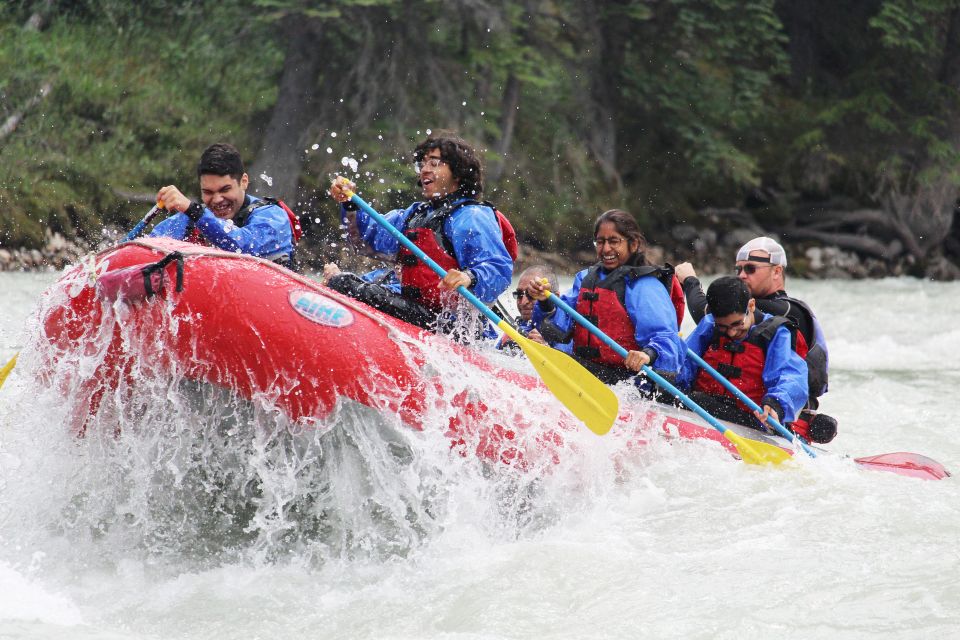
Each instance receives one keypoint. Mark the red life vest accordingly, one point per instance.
(742, 362)
(418, 282)
(425, 229)
(603, 302)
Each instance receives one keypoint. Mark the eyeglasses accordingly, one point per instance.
(750, 268)
(428, 161)
(733, 326)
(519, 293)
(613, 243)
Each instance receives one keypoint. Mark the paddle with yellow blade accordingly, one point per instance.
(750, 451)
(7, 368)
(580, 391)
(745, 399)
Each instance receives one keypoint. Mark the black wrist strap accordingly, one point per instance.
(194, 211)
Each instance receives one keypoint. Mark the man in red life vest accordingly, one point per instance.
(229, 218)
(469, 239)
(761, 264)
(753, 350)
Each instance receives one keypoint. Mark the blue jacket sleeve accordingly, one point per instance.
(655, 322)
(174, 227)
(478, 246)
(698, 341)
(562, 323)
(785, 375)
(266, 234)
(377, 237)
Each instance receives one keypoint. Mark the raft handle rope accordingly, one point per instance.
(159, 266)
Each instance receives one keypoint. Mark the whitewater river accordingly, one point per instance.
(107, 539)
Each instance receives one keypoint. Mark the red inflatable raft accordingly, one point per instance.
(263, 332)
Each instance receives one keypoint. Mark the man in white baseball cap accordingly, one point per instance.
(761, 264)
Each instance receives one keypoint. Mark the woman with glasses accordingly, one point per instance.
(472, 241)
(626, 297)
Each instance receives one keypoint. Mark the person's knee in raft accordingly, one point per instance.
(755, 351)
(467, 237)
(228, 217)
(624, 295)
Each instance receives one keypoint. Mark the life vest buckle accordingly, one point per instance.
(729, 370)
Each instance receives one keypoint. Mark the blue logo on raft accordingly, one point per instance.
(320, 309)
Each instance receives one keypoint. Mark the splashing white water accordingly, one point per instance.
(215, 516)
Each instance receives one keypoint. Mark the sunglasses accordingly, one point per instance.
(519, 293)
(750, 269)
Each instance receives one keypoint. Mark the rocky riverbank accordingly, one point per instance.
(714, 254)
(56, 253)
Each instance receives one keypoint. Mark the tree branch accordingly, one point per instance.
(11, 124)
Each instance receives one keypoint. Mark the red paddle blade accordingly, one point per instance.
(906, 464)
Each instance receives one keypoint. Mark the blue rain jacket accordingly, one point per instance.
(266, 233)
(477, 244)
(650, 310)
(784, 372)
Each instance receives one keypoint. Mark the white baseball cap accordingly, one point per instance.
(763, 243)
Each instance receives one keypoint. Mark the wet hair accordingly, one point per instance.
(626, 225)
(727, 295)
(221, 159)
(542, 271)
(460, 157)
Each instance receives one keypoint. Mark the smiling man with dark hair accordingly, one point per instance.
(227, 216)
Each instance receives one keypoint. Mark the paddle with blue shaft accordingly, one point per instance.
(783, 431)
(137, 230)
(750, 451)
(580, 391)
(909, 464)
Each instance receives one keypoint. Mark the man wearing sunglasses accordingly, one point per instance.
(760, 264)
(525, 305)
(470, 239)
(753, 350)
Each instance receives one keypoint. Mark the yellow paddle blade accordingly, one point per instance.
(580, 391)
(754, 452)
(7, 368)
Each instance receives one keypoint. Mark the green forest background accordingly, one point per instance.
(824, 122)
